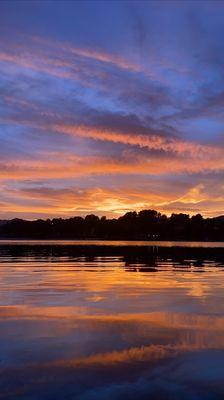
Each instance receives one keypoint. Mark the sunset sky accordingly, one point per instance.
(111, 106)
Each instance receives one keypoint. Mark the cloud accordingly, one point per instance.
(84, 198)
(77, 103)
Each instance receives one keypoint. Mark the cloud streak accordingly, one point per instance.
(96, 105)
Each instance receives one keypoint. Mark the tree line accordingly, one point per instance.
(144, 225)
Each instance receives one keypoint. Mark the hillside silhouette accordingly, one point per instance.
(144, 225)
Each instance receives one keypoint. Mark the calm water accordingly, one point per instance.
(111, 322)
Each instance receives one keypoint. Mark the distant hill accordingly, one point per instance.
(144, 225)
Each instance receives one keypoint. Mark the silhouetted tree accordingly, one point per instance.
(147, 224)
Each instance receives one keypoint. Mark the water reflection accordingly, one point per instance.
(111, 323)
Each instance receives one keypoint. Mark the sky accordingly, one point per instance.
(111, 106)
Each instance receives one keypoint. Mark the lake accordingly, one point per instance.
(111, 320)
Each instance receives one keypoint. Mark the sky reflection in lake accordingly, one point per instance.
(128, 324)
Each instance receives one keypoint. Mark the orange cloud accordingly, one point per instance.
(97, 55)
(70, 201)
(151, 141)
(165, 154)
(67, 165)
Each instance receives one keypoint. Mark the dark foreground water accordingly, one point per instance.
(111, 322)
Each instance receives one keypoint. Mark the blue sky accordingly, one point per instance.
(111, 106)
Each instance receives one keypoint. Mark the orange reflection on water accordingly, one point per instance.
(108, 321)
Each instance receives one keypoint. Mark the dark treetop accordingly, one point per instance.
(147, 224)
